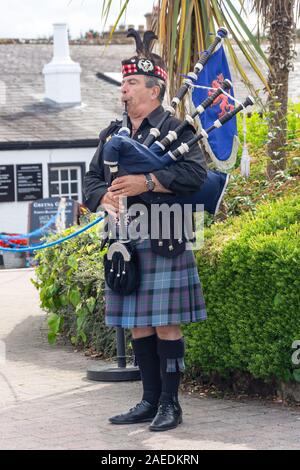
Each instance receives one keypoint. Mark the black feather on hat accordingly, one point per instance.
(144, 63)
(138, 40)
(149, 36)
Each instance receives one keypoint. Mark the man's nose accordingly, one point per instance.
(124, 88)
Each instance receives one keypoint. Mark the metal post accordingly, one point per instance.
(121, 373)
(121, 347)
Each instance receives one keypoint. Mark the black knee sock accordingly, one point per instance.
(145, 351)
(171, 353)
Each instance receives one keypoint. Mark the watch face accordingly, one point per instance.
(150, 185)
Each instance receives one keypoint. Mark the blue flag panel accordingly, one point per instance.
(221, 141)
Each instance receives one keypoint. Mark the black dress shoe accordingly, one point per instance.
(168, 416)
(141, 413)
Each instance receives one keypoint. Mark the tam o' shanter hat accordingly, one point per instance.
(145, 62)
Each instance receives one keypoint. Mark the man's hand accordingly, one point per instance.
(129, 185)
(111, 204)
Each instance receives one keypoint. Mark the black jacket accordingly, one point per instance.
(183, 177)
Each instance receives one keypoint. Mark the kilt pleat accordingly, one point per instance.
(170, 293)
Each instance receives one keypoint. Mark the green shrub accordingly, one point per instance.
(71, 288)
(257, 127)
(244, 194)
(250, 271)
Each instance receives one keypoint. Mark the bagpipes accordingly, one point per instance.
(122, 152)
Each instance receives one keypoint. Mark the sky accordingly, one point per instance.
(34, 18)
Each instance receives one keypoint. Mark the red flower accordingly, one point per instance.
(14, 240)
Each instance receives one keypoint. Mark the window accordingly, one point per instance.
(65, 182)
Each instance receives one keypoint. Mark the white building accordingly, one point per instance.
(52, 109)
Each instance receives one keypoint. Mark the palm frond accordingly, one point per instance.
(181, 29)
(105, 11)
(172, 43)
(185, 29)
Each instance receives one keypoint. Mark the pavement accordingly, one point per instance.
(46, 401)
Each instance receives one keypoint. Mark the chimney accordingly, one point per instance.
(148, 17)
(62, 75)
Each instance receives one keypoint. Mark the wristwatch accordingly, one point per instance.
(149, 182)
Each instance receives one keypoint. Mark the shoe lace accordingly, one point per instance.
(164, 408)
(136, 406)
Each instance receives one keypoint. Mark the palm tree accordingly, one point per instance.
(185, 27)
(279, 20)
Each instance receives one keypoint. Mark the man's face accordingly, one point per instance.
(136, 94)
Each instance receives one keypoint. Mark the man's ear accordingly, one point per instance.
(155, 92)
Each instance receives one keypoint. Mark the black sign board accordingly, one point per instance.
(7, 183)
(42, 210)
(29, 182)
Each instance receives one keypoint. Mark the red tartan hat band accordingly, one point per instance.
(140, 66)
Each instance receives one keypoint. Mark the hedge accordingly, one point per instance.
(250, 271)
(69, 278)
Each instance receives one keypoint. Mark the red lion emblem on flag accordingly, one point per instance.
(222, 99)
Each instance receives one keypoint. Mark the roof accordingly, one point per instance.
(26, 121)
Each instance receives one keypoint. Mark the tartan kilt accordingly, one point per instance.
(170, 293)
